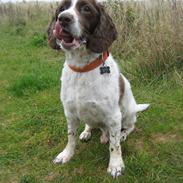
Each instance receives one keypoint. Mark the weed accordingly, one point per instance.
(39, 39)
(27, 179)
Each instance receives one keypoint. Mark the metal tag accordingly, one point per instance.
(105, 69)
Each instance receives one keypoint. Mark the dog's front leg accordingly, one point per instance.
(116, 164)
(68, 152)
(86, 134)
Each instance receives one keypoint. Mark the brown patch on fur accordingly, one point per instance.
(99, 29)
(62, 6)
(88, 19)
(51, 39)
(104, 34)
(121, 87)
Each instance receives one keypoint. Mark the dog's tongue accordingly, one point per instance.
(60, 34)
(66, 38)
(58, 30)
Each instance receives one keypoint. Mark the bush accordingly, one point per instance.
(150, 37)
(39, 39)
(27, 179)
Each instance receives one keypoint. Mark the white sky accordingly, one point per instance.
(25, 0)
(38, 0)
(59, 0)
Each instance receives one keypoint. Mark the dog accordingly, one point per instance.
(92, 88)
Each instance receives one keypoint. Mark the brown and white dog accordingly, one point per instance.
(93, 89)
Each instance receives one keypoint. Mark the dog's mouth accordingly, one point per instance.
(65, 38)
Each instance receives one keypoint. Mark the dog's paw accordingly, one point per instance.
(63, 157)
(85, 136)
(104, 139)
(116, 170)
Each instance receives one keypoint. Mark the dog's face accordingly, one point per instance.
(82, 23)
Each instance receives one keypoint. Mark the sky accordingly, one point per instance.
(22, 0)
(34, 0)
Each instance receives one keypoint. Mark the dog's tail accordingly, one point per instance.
(142, 107)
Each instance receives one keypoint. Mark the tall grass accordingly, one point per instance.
(150, 36)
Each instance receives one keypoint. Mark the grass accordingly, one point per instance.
(33, 126)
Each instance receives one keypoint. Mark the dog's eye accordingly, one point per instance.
(63, 8)
(86, 9)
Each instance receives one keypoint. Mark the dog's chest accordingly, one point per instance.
(89, 96)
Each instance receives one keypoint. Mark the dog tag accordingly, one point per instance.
(104, 69)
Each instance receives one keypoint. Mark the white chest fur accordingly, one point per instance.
(90, 96)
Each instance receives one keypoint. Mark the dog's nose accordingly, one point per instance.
(65, 19)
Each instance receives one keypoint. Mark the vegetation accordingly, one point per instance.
(33, 127)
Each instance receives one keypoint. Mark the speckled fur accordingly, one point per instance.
(98, 100)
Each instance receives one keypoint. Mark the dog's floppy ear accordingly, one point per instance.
(104, 34)
(51, 38)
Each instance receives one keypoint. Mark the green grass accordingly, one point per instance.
(33, 126)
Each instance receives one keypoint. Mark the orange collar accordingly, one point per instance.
(101, 59)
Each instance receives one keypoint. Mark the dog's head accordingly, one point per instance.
(81, 23)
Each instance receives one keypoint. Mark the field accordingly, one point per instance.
(33, 129)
